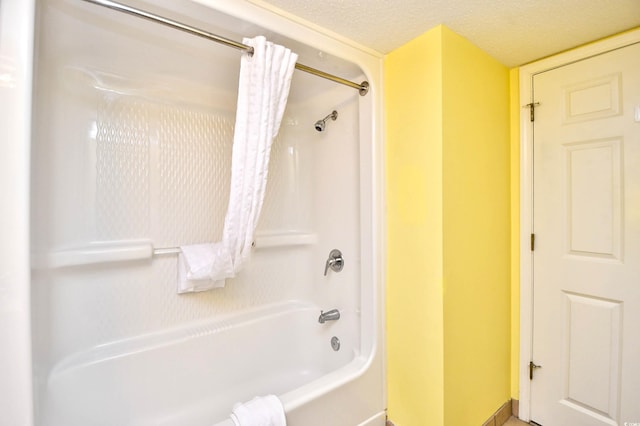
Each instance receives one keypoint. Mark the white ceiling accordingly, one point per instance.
(512, 31)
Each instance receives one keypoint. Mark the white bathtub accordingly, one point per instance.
(189, 376)
(129, 158)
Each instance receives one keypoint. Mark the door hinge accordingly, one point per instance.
(532, 367)
(532, 109)
(533, 242)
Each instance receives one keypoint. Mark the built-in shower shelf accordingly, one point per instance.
(129, 250)
(94, 253)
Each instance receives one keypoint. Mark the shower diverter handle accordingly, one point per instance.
(335, 261)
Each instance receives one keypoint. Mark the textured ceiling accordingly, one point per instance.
(512, 31)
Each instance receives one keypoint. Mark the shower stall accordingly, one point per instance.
(117, 140)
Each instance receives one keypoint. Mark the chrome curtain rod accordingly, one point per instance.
(363, 87)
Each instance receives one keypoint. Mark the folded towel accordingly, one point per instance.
(195, 265)
(260, 411)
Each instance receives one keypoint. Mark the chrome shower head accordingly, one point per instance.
(320, 124)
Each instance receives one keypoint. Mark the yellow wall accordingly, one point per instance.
(476, 220)
(413, 96)
(448, 282)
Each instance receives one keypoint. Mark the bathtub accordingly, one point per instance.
(129, 158)
(187, 376)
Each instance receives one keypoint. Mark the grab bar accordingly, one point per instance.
(122, 251)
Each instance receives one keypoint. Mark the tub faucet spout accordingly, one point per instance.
(332, 315)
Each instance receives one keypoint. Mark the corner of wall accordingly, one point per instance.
(449, 231)
(476, 212)
(413, 109)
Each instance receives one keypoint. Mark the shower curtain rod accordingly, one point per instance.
(363, 87)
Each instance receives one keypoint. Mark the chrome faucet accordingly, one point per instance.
(332, 315)
(335, 261)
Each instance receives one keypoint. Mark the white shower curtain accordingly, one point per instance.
(265, 78)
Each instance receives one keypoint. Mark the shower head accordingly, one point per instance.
(320, 124)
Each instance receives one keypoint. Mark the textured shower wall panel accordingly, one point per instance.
(122, 170)
(163, 172)
(194, 174)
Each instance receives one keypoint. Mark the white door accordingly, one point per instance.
(586, 261)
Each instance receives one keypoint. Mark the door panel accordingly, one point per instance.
(593, 174)
(586, 263)
(592, 368)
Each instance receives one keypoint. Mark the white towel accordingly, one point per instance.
(260, 411)
(199, 267)
(265, 79)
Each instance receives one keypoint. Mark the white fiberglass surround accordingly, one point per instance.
(16, 40)
(130, 153)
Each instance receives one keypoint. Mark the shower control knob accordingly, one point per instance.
(335, 261)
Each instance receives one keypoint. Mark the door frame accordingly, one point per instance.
(527, 72)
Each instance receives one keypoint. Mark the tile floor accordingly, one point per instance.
(514, 422)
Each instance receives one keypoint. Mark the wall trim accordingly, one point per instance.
(501, 415)
(527, 73)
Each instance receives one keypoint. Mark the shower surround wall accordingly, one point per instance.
(131, 153)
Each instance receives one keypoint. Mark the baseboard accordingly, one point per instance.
(501, 416)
